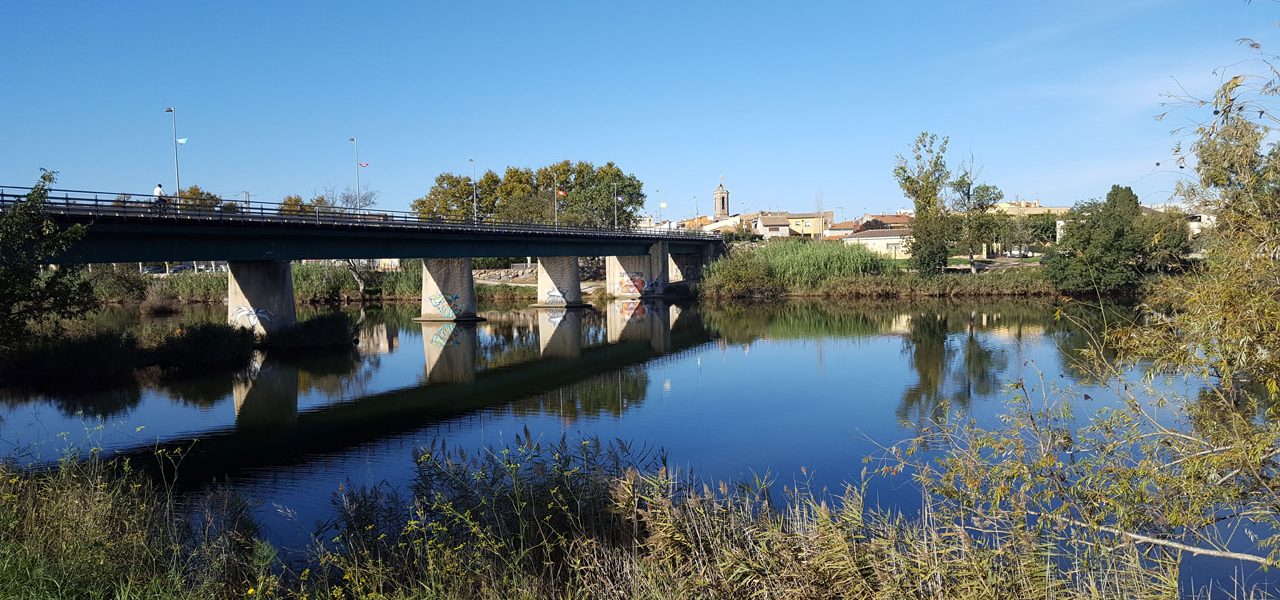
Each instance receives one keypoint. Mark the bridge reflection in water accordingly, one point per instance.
(467, 367)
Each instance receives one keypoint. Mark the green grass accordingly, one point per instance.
(840, 271)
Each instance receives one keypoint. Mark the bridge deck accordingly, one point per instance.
(138, 230)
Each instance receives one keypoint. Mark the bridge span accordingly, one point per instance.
(260, 240)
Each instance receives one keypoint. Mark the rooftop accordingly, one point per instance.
(879, 233)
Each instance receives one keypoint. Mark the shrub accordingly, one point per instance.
(198, 287)
(119, 285)
(160, 299)
(322, 283)
(505, 294)
(740, 275)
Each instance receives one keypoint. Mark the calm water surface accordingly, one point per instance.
(731, 393)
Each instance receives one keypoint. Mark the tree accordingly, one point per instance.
(29, 240)
(351, 203)
(923, 180)
(292, 205)
(518, 199)
(196, 198)
(972, 205)
(872, 224)
(1099, 250)
(586, 195)
(449, 198)
(1166, 240)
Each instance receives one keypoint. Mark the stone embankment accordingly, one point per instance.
(528, 275)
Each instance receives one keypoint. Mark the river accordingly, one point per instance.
(792, 393)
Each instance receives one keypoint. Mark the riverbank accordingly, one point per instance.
(312, 284)
(570, 519)
(844, 272)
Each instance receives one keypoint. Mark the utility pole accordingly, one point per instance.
(475, 203)
(555, 198)
(616, 198)
(357, 147)
(177, 175)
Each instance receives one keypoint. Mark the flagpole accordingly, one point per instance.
(356, 144)
(177, 176)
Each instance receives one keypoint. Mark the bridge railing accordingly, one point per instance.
(169, 208)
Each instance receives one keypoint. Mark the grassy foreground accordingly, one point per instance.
(566, 520)
(842, 271)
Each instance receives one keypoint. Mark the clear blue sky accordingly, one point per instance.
(785, 101)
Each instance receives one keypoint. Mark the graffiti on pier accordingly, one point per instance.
(443, 305)
(631, 283)
(555, 296)
(252, 317)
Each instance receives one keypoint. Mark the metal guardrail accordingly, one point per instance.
(149, 208)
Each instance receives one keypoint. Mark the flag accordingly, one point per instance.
(182, 141)
(364, 164)
(561, 193)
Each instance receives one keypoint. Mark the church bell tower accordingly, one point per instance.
(721, 197)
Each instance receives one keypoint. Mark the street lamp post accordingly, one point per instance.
(475, 209)
(616, 199)
(356, 145)
(177, 176)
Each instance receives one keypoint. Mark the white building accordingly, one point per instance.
(891, 243)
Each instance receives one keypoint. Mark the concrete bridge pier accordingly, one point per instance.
(451, 351)
(638, 276)
(560, 332)
(448, 290)
(260, 295)
(559, 282)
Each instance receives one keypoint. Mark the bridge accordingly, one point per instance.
(259, 241)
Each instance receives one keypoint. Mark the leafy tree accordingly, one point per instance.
(518, 198)
(1099, 250)
(587, 195)
(1043, 228)
(29, 240)
(923, 180)
(450, 198)
(292, 205)
(871, 224)
(972, 206)
(1166, 240)
(322, 204)
(196, 198)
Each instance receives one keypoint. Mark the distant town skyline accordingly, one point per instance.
(788, 104)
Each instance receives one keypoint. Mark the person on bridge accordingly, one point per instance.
(161, 203)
